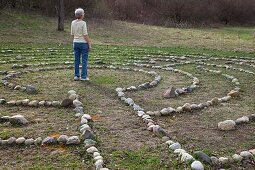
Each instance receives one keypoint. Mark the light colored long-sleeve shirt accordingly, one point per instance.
(78, 30)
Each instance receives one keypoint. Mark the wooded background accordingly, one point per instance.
(157, 12)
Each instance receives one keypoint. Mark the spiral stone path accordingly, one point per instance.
(198, 114)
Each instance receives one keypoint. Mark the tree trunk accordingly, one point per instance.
(61, 15)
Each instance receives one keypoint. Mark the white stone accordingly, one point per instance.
(179, 151)
(71, 92)
(175, 146)
(92, 149)
(87, 116)
(95, 154)
(246, 154)
(237, 158)
(186, 157)
(227, 125)
(20, 140)
(98, 158)
(140, 113)
(223, 160)
(243, 119)
(197, 165)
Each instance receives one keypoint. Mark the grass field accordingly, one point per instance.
(122, 137)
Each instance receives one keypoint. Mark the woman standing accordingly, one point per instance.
(81, 45)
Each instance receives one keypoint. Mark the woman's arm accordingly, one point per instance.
(86, 37)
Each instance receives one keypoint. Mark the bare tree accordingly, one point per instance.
(61, 15)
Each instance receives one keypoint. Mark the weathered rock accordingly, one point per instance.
(87, 134)
(175, 146)
(31, 89)
(202, 157)
(49, 141)
(33, 103)
(87, 116)
(95, 154)
(4, 119)
(38, 141)
(48, 103)
(251, 117)
(167, 111)
(179, 151)
(78, 110)
(99, 163)
(92, 149)
(223, 160)
(89, 143)
(18, 120)
(20, 141)
(55, 103)
(129, 101)
(29, 142)
(11, 103)
(246, 154)
(227, 125)
(237, 158)
(73, 97)
(25, 102)
(187, 107)
(77, 103)
(84, 127)
(187, 158)
(196, 165)
(226, 98)
(179, 109)
(67, 103)
(140, 113)
(73, 140)
(98, 158)
(62, 139)
(71, 92)
(11, 141)
(41, 103)
(215, 101)
(169, 93)
(234, 93)
(215, 161)
(83, 121)
(242, 120)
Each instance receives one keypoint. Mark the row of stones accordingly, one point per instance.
(86, 132)
(177, 91)
(184, 156)
(231, 124)
(156, 129)
(21, 141)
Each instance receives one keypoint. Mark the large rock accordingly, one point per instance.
(196, 165)
(67, 103)
(31, 89)
(202, 157)
(242, 120)
(234, 93)
(77, 103)
(18, 120)
(227, 125)
(87, 134)
(187, 158)
(49, 141)
(169, 93)
(175, 146)
(62, 139)
(73, 140)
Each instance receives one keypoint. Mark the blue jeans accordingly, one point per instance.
(81, 50)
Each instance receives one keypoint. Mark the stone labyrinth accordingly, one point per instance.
(26, 61)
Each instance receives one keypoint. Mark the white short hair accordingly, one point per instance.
(79, 12)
